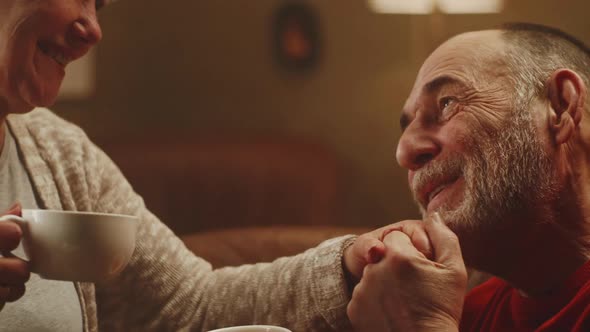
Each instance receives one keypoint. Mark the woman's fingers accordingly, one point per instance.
(11, 293)
(10, 235)
(13, 271)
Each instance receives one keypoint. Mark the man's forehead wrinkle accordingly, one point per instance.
(439, 82)
(457, 67)
(493, 98)
(463, 60)
(467, 55)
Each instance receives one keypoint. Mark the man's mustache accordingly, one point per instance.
(434, 172)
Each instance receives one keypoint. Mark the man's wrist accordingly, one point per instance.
(438, 324)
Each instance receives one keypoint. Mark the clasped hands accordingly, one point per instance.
(411, 277)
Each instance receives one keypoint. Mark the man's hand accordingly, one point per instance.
(369, 247)
(14, 272)
(406, 291)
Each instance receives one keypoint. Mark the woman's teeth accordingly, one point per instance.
(60, 58)
(54, 54)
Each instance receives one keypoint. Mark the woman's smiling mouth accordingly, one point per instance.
(54, 53)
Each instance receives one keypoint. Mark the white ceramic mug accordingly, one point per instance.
(76, 246)
(252, 328)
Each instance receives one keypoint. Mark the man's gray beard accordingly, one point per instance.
(506, 173)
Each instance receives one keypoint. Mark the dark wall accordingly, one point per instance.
(207, 66)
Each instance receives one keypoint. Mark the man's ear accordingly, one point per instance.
(567, 95)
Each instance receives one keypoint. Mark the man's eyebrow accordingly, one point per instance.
(440, 81)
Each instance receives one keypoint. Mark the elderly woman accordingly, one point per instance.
(49, 163)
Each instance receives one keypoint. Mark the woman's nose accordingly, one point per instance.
(416, 148)
(86, 30)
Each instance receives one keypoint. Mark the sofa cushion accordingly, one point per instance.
(200, 183)
(237, 246)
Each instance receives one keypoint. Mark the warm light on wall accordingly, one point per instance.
(402, 7)
(79, 82)
(470, 6)
(428, 6)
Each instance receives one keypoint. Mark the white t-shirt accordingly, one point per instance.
(47, 305)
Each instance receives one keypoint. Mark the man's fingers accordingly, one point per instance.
(414, 229)
(365, 310)
(444, 242)
(400, 244)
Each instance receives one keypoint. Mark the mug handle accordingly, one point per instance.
(21, 222)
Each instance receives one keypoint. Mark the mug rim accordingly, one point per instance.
(235, 328)
(87, 213)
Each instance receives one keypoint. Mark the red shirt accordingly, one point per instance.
(496, 306)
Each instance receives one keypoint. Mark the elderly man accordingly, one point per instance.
(496, 140)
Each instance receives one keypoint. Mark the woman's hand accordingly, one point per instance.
(14, 272)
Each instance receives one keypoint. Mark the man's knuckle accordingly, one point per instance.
(400, 260)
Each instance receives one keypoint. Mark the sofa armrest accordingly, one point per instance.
(237, 246)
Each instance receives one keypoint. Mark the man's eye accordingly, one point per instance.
(446, 102)
(447, 108)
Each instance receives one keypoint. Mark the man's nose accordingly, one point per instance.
(416, 147)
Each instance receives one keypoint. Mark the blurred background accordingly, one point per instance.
(230, 113)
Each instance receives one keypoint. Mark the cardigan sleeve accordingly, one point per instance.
(166, 287)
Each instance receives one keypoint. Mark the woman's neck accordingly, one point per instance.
(2, 134)
(7, 108)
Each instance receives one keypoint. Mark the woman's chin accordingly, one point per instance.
(46, 102)
(39, 97)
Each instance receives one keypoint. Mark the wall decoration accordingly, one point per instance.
(296, 36)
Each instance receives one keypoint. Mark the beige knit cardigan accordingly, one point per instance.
(165, 287)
